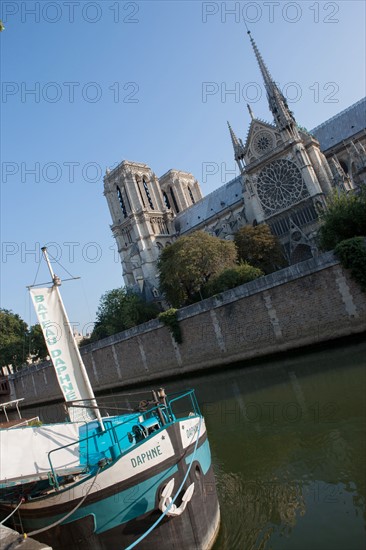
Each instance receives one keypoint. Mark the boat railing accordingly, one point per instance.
(111, 428)
(180, 396)
(107, 430)
(11, 404)
(26, 422)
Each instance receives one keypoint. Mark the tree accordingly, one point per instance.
(119, 310)
(230, 278)
(259, 247)
(37, 344)
(344, 218)
(352, 253)
(187, 265)
(13, 339)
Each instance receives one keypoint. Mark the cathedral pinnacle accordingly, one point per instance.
(250, 111)
(234, 139)
(238, 148)
(283, 117)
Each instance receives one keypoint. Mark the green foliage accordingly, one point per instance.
(352, 254)
(17, 342)
(230, 278)
(169, 318)
(37, 345)
(35, 423)
(13, 339)
(119, 310)
(187, 265)
(260, 248)
(344, 218)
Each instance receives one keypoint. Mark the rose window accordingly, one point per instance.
(280, 185)
(263, 142)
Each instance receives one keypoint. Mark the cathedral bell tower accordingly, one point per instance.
(141, 223)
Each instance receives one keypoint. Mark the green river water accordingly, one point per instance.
(288, 446)
(288, 443)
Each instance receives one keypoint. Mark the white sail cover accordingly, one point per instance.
(65, 356)
(27, 451)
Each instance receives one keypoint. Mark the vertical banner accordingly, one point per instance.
(62, 350)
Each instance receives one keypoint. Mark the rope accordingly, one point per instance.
(60, 264)
(13, 512)
(25, 535)
(174, 499)
(39, 265)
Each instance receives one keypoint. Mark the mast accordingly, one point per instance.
(82, 382)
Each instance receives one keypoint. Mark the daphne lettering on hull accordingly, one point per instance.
(148, 455)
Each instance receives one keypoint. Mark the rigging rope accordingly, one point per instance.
(60, 264)
(39, 265)
(38, 531)
(13, 512)
(176, 495)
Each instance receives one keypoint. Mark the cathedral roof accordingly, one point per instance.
(210, 205)
(342, 126)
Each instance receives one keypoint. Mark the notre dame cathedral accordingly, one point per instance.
(286, 174)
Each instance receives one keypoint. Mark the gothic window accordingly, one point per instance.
(174, 201)
(127, 199)
(344, 166)
(147, 191)
(305, 215)
(263, 142)
(191, 195)
(164, 227)
(127, 235)
(280, 185)
(139, 188)
(166, 200)
(300, 217)
(122, 202)
(280, 227)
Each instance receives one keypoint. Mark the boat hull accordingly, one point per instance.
(124, 501)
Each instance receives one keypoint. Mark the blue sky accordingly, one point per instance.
(146, 81)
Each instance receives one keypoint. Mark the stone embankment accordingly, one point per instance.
(305, 304)
(11, 540)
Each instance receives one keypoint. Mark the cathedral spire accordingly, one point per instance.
(238, 148)
(268, 80)
(283, 117)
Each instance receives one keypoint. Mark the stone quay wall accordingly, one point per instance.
(307, 303)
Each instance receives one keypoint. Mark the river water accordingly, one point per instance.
(288, 445)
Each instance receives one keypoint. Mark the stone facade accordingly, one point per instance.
(286, 174)
(143, 208)
(305, 304)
